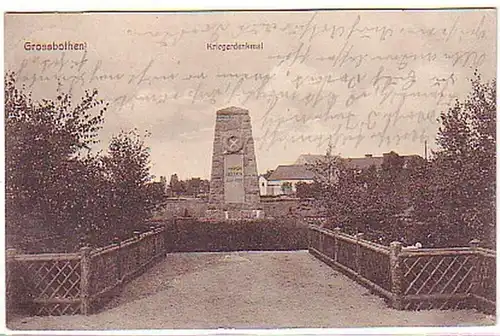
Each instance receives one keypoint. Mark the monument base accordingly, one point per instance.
(233, 214)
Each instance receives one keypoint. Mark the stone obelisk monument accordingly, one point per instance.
(234, 188)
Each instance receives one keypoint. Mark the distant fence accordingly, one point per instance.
(78, 283)
(411, 278)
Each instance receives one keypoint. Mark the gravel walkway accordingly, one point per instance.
(247, 290)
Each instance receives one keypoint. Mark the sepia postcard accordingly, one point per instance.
(257, 169)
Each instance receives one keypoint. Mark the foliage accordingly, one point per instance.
(47, 153)
(287, 188)
(126, 166)
(55, 185)
(463, 175)
(442, 202)
(191, 235)
(193, 187)
(305, 191)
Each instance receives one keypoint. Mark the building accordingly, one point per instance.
(357, 162)
(284, 179)
(263, 189)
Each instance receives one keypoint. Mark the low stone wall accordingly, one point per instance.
(271, 207)
(184, 206)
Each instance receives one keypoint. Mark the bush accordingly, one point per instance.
(191, 235)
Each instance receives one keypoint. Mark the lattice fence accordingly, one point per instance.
(412, 278)
(49, 284)
(434, 279)
(78, 283)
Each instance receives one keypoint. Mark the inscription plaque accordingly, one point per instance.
(234, 188)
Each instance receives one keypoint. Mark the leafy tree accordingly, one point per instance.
(55, 184)
(464, 168)
(442, 202)
(46, 141)
(306, 191)
(373, 200)
(127, 167)
(176, 186)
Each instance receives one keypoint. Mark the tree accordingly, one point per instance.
(193, 186)
(325, 187)
(464, 168)
(176, 186)
(127, 167)
(55, 184)
(47, 142)
(306, 191)
(268, 173)
(373, 200)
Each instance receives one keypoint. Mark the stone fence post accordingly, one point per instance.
(396, 275)
(85, 279)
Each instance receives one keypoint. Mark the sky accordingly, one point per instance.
(363, 81)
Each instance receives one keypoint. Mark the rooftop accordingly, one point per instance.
(299, 170)
(291, 172)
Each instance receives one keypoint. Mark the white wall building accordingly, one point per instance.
(284, 179)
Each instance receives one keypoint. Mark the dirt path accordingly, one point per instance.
(248, 290)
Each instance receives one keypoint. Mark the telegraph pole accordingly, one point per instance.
(425, 149)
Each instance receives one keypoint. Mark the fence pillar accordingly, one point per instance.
(336, 233)
(474, 244)
(359, 236)
(309, 237)
(10, 285)
(320, 243)
(163, 240)
(396, 275)
(137, 250)
(119, 271)
(154, 242)
(85, 280)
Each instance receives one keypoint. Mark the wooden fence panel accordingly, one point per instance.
(485, 290)
(413, 278)
(105, 271)
(78, 283)
(50, 286)
(329, 246)
(437, 280)
(346, 253)
(375, 266)
(129, 259)
(315, 239)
